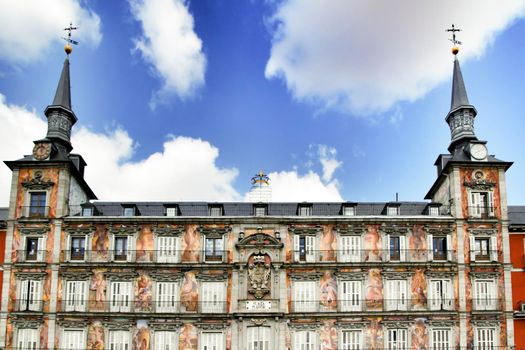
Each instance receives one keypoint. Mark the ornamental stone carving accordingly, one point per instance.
(37, 182)
(259, 276)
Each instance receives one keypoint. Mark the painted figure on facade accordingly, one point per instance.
(145, 245)
(374, 290)
(100, 244)
(327, 244)
(188, 337)
(143, 293)
(43, 335)
(419, 335)
(189, 294)
(372, 244)
(328, 291)
(417, 243)
(95, 336)
(419, 290)
(328, 336)
(191, 244)
(98, 286)
(374, 336)
(141, 337)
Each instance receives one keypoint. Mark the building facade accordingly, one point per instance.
(84, 274)
(517, 255)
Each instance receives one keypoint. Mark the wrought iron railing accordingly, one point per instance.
(35, 212)
(371, 305)
(373, 255)
(30, 256)
(143, 256)
(481, 212)
(127, 304)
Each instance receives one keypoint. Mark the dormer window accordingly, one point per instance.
(260, 210)
(172, 210)
(215, 210)
(304, 210)
(433, 210)
(348, 210)
(392, 210)
(129, 211)
(87, 211)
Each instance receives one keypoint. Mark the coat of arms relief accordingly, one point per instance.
(259, 276)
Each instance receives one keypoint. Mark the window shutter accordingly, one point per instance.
(402, 304)
(387, 248)
(493, 295)
(112, 248)
(344, 251)
(296, 247)
(23, 294)
(68, 248)
(81, 295)
(35, 295)
(114, 293)
(130, 249)
(449, 247)
(402, 248)
(70, 295)
(491, 203)
(310, 248)
(391, 294)
(41, 248)
(430, 247)
(434, 295)
(448, 302)
(493, 248)
(476, 204)
(472, 248)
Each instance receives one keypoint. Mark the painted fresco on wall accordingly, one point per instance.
(374, 336)
(95, 336)
(50, 243)
(143, 293)
(417, 243)
(16, 245)
(141, 336)
(328, 336)
(327, 244)
(419, 335)
(100, 244)
(288, 246)
(46, 291)
(372, 244)
(374, 290)
(12, 292)
(189, 294)
(252, 231)
(188, 337)
(328, 292)
(191, 244)
(28, 175)
(229, 339)
(419, 290)
(43, 335)
(490, 176)
(97, 291)
(145, 245)
(230, 246)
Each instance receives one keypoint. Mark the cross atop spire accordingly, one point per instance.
(68, 48)
(453, 30)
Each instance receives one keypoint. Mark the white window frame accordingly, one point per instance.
(73, 339)
(402, 247)
(129, 211)
(305, 296)
(351, 339)
(119, 340)
(440, 294)
(120, 296)
(305, 340)
(69, 242)
(129, 251)
(216, 252)
(350, 295)
(430, 245)
(213, 297)
(259, 211)
(396, 295)
(397, 339)
(493, 247)
(486, 338)
(441, 338)
(167, 296)
(28, 339)
(40, 248)
(392, 210)
(310, 248)
(350, 248)
(76, 295)
(258, 338)
(304, 210)
(348, 211)
(172, 211)
(167, 249)
(477, 209)
(216, 211)
(485, 294)
(29, 295)
(87, 211)
(212, 340)
(165, 340)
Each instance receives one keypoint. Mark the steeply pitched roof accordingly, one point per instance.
(459, 93)
(63, 93)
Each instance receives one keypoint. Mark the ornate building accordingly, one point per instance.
(84, 274)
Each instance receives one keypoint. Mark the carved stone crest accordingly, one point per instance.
(38, 182)
(259, 276)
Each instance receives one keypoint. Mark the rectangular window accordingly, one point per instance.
(392, 211)
(213, 297)
(172, 211)
(350, 295)
(259, 211)
(351, 339)
(433, 211)
(167, 249)
(396, 248)
(483, 248)
(214, 249)
(34, 249)
(396, 295)
(37, 204)
(397, 339)
(167, 296)
(258, 338)
(304, 250)
(441, 339)
(123, 248)
(120, 296)
(305, 211)
(212, 341)
(30, 295)
(305, 340)
(349, 211)
(76, 296)
(305, 296)
(72, 340)
(350, 249)
(166, 340)
(87, 211)
(119, 340)
(440, 295)
(129, 211)
(77, 247)
(481, 204)
(28, 339)
(215, 211)
(485, 295)
(486, 338)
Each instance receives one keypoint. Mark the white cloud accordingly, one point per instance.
(28, 28)
(365, 56)
(327, 157)
(290, 186)
(171, 46)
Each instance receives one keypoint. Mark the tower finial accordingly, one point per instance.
(68, 48)
(455, 48)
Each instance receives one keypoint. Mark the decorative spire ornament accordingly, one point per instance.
(68, 48)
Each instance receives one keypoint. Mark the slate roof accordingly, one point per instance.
(517, 215)
(3, 214)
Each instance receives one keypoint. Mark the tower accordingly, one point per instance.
(471, 186)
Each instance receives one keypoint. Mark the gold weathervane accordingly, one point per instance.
(261, 178)
(68, 48)
(455, 48)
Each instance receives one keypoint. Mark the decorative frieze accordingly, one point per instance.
(38, 182)
(168, 230)
(33, 230)
(308, 230)
(125, 230)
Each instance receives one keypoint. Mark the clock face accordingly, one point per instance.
(41, 151)
(478, 151)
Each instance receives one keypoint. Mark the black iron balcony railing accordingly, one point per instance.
(353, 347)
(486, 304)
(481, 212)
(144, 256)
(371, 305)
(29, 305)
(35, 212)
(373, 255)
(30, 256)
(127, 304)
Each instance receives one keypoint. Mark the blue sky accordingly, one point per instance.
(358, 116)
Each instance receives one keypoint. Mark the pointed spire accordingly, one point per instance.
(63, 93)
(459, 93)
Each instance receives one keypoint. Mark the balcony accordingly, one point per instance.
(35, 212)
(126, 304)
(486, 304)
(29, 305)
(30, 256)
(368, 305)
(373, 256)
(142, 256)
(482, 212)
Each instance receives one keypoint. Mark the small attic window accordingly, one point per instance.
(392, 210)
(172, 210)
(433, 211)
(215, 210)
(88, 211)
(304, 210)
(348, 210)
(260, 210)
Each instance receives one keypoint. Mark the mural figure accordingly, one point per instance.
(372, 245)
(145, 245)
(419, 290)
(327, 245)
(417, 243)
(230, 246)
(328, 291)
(95, 336)
(328, 336)
(100, 244)
(419, 335)
(259, 276)
(374, 290)
(98, 285)
(143, 293)
(141, 337)
(189, 294)
(191, 244)
(188, 337)
(43, 335)
(374, 336)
